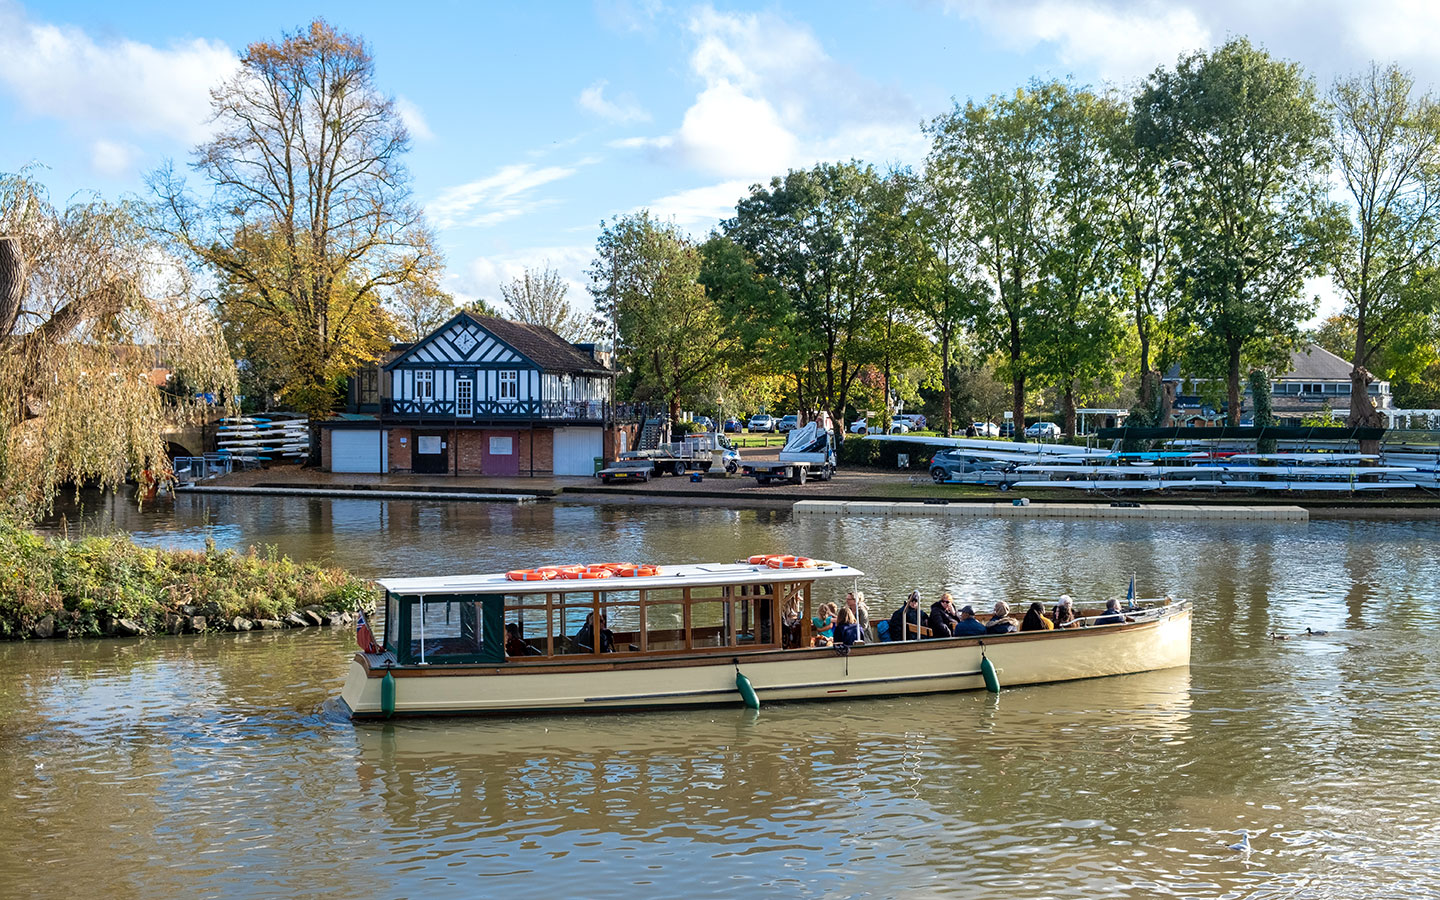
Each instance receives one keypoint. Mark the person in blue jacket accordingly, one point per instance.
(968, 626)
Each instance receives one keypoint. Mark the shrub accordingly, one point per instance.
(880, 453)
(88, 584)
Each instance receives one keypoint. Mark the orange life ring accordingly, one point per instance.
(561, 571)
(761, 559)
(637, 571)
(529, 575)
(790, 562)
(585, 572)
(614, 568)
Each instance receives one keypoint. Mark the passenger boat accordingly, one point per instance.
(696, 635)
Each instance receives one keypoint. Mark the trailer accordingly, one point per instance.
(807, 454)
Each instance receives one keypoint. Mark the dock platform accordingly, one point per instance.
(353, 493)
(1170, 511)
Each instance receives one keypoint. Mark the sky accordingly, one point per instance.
(533, 123)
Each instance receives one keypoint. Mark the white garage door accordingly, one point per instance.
(575, 450)
(358, 451)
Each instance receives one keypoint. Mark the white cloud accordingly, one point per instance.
(624, 109)
(414, 119)
(1120, 40)
(507, 194)
(112, 158)
(61, 72)
(772, 99)
(483, 275)
(701, 209)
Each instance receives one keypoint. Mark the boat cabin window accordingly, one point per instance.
(452, 628)
(664, 615)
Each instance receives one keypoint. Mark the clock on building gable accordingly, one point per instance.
(465, 340)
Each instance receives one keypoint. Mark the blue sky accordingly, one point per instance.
(532, 123)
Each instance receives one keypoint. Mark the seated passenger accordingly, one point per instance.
(1112, 614)
(910, 614)
(1064, 615)
(825, 622)
(1000, 622)
(515, 644)
(585, 637)
(847, 630)
(790, 623)
(968, 624)
(943, 617)
(1036, 620)
(855, 600)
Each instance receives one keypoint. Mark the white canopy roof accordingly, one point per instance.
(698, 574)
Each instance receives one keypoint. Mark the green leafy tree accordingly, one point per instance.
(810, 234)
(646, 276)
(418, 306)
(1386, 144)
(310, 218)
(996, 161)
(1082, 327)
(1244, 139)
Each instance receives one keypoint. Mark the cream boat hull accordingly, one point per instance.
(813, 674)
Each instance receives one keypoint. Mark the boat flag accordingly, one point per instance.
(1130, 595)
(364, 636)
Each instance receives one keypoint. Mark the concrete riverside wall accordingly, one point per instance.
(1051, 510)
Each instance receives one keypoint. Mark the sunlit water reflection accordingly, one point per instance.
(221, 766)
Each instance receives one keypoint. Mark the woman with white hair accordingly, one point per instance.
(1064, 615)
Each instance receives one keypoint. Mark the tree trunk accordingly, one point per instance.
(12, 283)
(1070, 409)
(945, 378)
(1018, 408)
(1362, 408)
(1167, 403)
(1147, 388)
(1232, 385)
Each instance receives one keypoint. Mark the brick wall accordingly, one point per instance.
(544, 452)
(400, 455)
(325, 448)
(468, 450)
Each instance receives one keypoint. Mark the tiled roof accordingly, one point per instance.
(1315, 363)
(546, 348)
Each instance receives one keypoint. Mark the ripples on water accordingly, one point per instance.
(220, 765)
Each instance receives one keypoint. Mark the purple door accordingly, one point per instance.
(500, 453)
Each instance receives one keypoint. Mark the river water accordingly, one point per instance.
(220, 766)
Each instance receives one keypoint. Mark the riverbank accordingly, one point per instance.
(109, 586)
(848, 485)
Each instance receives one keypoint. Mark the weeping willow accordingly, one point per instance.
(104, 343)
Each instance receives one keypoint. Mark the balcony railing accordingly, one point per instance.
(517, 410)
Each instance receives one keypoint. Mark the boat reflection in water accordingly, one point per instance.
(866, 790)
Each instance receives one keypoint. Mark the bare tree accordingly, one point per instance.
(419, 306)
(537, 297)
(311, 216)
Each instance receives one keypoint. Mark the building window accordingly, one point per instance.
(509, 385)
(369, 386)
(424, 385)
(465, 398)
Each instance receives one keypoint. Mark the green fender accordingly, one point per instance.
(747, 691)
(987, 671)
(387, 694)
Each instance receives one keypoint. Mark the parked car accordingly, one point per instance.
(1043, 430)
(859, 426)
(914, 420)
(1007, 429)
(788, 423)
(733, 425)
(896, 427)
(958, 465)
(702, 423)
(985, 429)
(761, 422)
